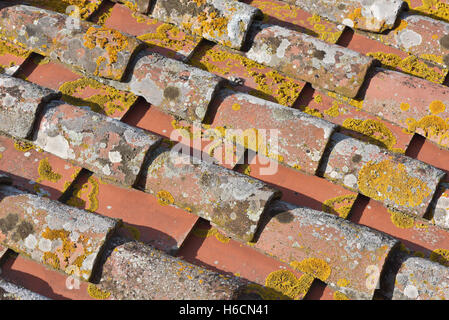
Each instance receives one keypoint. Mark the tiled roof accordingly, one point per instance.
(224, 149)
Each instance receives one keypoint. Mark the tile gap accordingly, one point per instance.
(415, 145)
(346, 37)
(80, 178)
(103, 8)
(28, 66)
(358, 208)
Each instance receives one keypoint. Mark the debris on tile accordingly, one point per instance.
(10, 291)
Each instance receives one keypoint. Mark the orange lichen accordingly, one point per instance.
(313, 266)
(165, 198)
(387, 180)
(437, 107)
(431, 126)
(286, 285)
(405, 106)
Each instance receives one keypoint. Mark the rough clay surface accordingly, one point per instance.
(110, 148)
(232, 201)
(401, 183)
(66, 238)
(20, 100)
(327, 66)
(135, 271)
(10, 291)
(223, 21)
(347, 256)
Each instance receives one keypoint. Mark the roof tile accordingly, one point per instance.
(334, 250)
(110, 148)
(65, 238)
(226, 21)
(421, 279)
(422, 36)
(406, 105)
(376, 16)
(90, 48)
(20, 102)
(400, 182)
(138, 5)
(301, 56)
(288, 135)
(136, 271)
(173, 86)
(232, 201)
(10, 291)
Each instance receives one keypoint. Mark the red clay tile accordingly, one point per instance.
(137, 5)
(343, 254)
(92, 49)
(146, 219)
(230, 200)
(415, 104)
(375, 16)
(397, 59)
(108, 147)
(136, 271)
(209, 248)
(433, 154)
(398, 181)
(421, 279)
(173, 86)
(12, 57)
(20, 102)
(301, 189)
(163, 38)
(285, 134)
(35, 171)
(51, 233)
(420, 236)
(356, 122)
(247, 75)
(225, 22)
(300, 56)
(286, 15)
(85, 7)
(40, 279)
(422, 36)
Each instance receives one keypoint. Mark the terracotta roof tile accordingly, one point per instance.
(400, 182)
(65, 238)
(9, 291)
(324, 65)
(226, 22)
(332, 249)
(131, 74)
(79, 135)
(20, 101)
(232, 201)
(375, 16)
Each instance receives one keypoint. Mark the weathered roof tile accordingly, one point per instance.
(139, 272)
(347, 256)
(223, 21)
(400, 182)
(285, 134)
(10, 291)
(90, 48)
(63, 237)
(110, 148)
(232, 201)
(137, 5)
(301, 56)
(421, 279)
(20, 101)
(376, 16)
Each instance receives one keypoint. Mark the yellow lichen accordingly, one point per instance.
(405, 106)
(107, 100)
(437, 107)
(334, 110)
(431, 126)
(46, 172)
(374, 131)
(313, 266)
(340, 205)
(13, 49)
(435, 8)
(165, 198)
(86, 7)
(343, 282)
(441, 256)
(236, 107)
(96, 292)
(286, 285)
(23, 145)
(339, 296)
(133, 230)
(79, 193)
(205, 233)
(412, 65)
(388, 180)
(401, 220)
